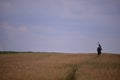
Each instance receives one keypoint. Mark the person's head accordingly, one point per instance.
(99, 45)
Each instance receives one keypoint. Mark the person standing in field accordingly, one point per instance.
(99, 49)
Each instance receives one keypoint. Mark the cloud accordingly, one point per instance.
(42, 10)
(35, 8)
(7, 27)
(11, 29)
(23, 28)
(4, 6)
(90, 9)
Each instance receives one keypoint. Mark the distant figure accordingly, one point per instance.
(99, 49)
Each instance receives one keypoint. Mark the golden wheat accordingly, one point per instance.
(51, 66)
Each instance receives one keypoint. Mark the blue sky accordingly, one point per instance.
(59, 25)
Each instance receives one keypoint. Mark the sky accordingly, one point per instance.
(60, 25)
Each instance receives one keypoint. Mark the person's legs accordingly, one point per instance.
(99, 52)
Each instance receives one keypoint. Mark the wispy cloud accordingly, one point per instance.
(13, 29)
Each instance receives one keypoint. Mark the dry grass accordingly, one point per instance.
(59, 66)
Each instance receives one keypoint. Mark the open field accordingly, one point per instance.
(46, 66)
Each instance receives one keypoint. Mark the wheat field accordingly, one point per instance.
(59, 66)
